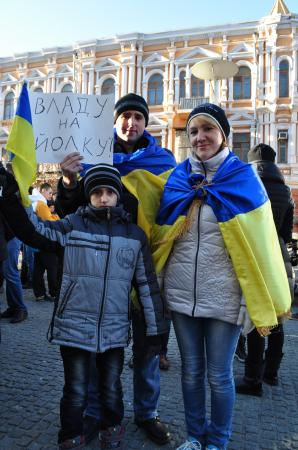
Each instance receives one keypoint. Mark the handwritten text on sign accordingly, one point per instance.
(66, 122)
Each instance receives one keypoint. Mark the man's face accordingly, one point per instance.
(47, 193)
(130, 126)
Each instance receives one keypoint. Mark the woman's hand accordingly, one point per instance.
(70, 167)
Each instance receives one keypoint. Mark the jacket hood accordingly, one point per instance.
(261, 152)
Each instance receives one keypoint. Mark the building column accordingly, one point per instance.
(187, 82)
(91, 82)
(131, 77)
(176, 85)
(124, 80)
(165, 85)
(293, 146)
(85, 82)
(139, 69)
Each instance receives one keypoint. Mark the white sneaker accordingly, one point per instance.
(190, 444)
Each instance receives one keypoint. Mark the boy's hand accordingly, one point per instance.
(71, 166)
(8, 184)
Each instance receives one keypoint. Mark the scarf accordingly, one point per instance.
(242, 208)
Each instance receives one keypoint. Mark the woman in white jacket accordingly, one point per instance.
(212, 189)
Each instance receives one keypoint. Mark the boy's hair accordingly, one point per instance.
(102, 175)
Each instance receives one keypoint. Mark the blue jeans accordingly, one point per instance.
(14, 291)
(146, 378)
(212, 343)
(76, 364)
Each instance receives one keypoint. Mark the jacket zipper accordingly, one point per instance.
(105, 278)
(196, 263)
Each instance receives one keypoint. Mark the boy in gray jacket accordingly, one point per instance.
(104, 255)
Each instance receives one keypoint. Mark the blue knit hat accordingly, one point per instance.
(215, 113)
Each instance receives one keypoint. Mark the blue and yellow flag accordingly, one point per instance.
(21, 143)
(243, 211)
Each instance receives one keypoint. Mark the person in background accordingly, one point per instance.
(45, 261)
(261, 365)
(207, 202)
(134, 150)
(14, 222)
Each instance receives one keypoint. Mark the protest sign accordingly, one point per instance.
(66, 122)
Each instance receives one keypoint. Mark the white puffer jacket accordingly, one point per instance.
(199, 279)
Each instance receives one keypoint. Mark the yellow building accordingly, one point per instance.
(261, 101)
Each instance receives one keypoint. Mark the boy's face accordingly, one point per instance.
(103, 197)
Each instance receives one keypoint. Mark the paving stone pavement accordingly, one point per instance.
(31, 381)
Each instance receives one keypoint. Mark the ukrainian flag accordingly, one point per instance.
(243, 211)
(21, 143)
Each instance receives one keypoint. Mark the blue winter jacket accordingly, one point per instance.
(104, 255)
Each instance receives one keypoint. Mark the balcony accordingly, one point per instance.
(192, 102)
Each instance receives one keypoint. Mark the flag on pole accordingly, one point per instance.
(21, 143)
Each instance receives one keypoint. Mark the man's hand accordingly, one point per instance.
(71, 166)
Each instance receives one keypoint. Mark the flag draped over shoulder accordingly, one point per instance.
(144, 173)
(21, 143)
(243, 211)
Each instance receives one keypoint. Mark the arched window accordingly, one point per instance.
(182, 84)
(197, 87)
(8, 106)
(284, 78)
(242, 83)
(155, 90)
(108, 87)
(38, 89)
(67, 88)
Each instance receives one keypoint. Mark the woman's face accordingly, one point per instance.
(205, 137)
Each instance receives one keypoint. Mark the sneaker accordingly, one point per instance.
(48, 298)
(40, 298)
(156, 430)
(76, 442)
(191, 444)
(112, 438)
(19, 316)
(164, 363)
(247, 386)
(91, 427)
(8, 313)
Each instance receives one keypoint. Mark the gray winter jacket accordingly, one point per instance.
(103, 255)
(199, 279)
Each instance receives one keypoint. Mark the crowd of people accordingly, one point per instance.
(146, 243)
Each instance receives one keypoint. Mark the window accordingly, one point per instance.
(182, 84)
(108, 87)
(197, 87)
(9, 106)
(155, 90)
(282, 146)
(242, 84)
(38, 89)
(67, 88)
(284, 78)
(241, 145)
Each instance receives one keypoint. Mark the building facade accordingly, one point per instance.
(261, 100)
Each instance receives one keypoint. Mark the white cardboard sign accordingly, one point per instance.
(65, 122)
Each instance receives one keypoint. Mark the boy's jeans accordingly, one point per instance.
(146, 378)
(76, 364)
(212, 343)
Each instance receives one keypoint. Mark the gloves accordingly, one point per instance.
(244, 319)
(8, 184)
(153, 344)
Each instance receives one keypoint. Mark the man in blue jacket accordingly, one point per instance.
(134, 148)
